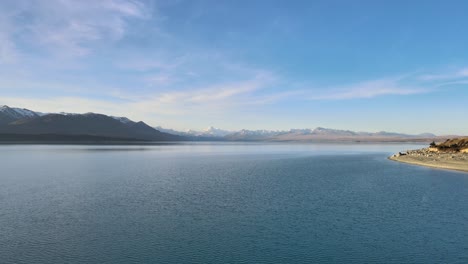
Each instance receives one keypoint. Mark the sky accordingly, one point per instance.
(398, 66)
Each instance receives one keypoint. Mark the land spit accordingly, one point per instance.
(432, 157)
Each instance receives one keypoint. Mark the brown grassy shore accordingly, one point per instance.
(451, 154)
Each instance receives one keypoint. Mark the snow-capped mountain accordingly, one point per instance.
(305, 134)
(11, 114)
(16, 121)
(18, 112)
(319, 134)
(24, 121)
(337, 132)
(212, 131)
(250, 135)
(209, 132)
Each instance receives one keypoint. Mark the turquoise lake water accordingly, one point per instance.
(228, 203)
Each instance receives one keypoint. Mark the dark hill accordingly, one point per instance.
(9, 114)
(86, 124)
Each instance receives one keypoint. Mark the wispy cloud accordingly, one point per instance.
(159, 80)
(217, 98)
(8, 50)
(200, 106)
(369, 89)
(148, 64)
(62, 104)
(460, 73)
(157, 71)
(68, 27)
(219, 93)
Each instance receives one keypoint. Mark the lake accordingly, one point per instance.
(228, 203)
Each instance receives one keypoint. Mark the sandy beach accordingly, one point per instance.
(430, 158)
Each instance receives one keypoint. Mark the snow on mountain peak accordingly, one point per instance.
(213, 131)
(25, 112)
(122, 119)
(18, 113)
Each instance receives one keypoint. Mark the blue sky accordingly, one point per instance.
(360, 65)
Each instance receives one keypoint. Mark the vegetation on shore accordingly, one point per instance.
(452, 145)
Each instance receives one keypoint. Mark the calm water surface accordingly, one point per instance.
(228, 203)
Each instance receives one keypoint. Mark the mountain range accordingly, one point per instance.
(22, 123)
(17, 121)
(317, 134)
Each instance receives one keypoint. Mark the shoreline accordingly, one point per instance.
(438, 160)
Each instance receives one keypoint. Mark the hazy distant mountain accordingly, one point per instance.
(209, 132)
(17, 121)
(252, 135)
(426, 135)
(306, 134)
(27, 122)
(213, 131)
(321, 134)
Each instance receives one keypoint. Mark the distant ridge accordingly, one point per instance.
(209, 132)
(21, 121)
(27, 122)
(317, 134)
(326, 134)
